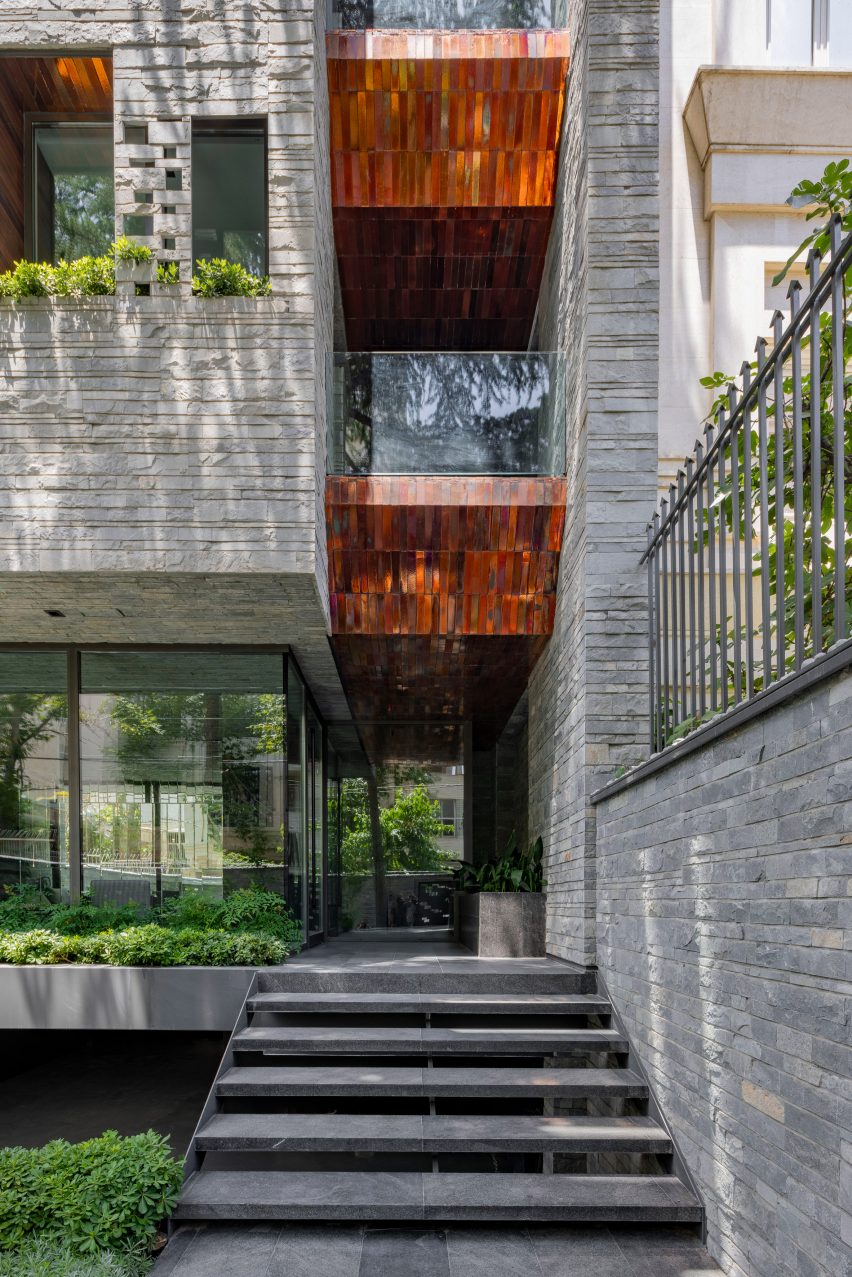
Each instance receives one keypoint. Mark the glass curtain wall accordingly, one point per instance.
(182, 772)
(72, 189)
(315, 824)
(197, 771)
(34, 772)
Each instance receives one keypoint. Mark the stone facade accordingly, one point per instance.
(587, 698)
(145, 438)
(724, 928)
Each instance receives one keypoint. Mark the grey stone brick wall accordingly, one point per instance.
(600, 304)
(724, 929)
(180, 435)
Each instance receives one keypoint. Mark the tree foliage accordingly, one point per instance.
(410, 827)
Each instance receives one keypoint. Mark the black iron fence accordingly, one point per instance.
(749, 556)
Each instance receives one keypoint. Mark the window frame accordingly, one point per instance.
(211, 125)
(31, 120)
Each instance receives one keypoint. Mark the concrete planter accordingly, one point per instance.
(130, 274)
(501, 924)
(191, 999)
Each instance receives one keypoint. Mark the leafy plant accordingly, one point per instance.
(515, 870)
(168, 273)
(39, 1257)
(219, 278)
(149, 945)
(128, 252)
(108, 1193)
(830, 195)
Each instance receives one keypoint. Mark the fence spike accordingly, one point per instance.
(836, 234)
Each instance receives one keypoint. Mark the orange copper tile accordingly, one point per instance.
(443, 540)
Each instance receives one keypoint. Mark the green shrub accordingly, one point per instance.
(146, 946)
(219, 278)
(104, 1194)
(39, 1257)
(125, 250)
(251, 928)
(168, 273)
(263, 912)
(26, 909)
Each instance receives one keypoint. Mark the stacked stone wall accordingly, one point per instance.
(724, 931)
(587, 702)
(180, 435)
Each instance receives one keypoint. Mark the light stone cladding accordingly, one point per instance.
(724, 933)
(587, 696)
(162, 439)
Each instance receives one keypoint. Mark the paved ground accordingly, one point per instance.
(258, 1251)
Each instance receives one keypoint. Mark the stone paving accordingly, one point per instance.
(257, 1250)
(293, 1251)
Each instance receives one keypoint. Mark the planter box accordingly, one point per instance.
(501, 924)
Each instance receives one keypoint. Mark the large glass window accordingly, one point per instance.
(296, 868)
(316, 823)
(72, 197)
(229, 193)
(34, 771)
(182, 771)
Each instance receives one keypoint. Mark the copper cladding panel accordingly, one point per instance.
(444, 157)
(443, 594)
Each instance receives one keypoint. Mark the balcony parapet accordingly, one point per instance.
(445, 15)
(459, 414)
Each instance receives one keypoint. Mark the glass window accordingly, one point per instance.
(840, 33)
(182, 773)
(73, 201)
(790, 34)
(34, 771)
(296, 860)
(316, 824)
(229, 193)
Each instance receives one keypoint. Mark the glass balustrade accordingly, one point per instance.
(444, 15)
(494, 414)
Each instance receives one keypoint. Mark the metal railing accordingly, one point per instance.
(445, 15)
(494, 414)
(749, 556)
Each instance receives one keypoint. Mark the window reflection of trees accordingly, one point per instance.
(443, 14)
(433, 414)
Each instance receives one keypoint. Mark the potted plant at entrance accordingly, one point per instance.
(500, 906)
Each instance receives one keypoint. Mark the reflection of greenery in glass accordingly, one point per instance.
(445, 14)
(410, 827)
(25, 722)
(84, 215)
(481, 413)
(207, 750)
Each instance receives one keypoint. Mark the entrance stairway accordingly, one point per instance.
(488, 1095)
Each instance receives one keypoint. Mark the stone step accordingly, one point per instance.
(514, 975)
(431, 1003)
(468, 1040)
(247, 1082)
(400, 1133)
(361, 1195)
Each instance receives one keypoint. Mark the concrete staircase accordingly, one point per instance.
(412, 1096)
